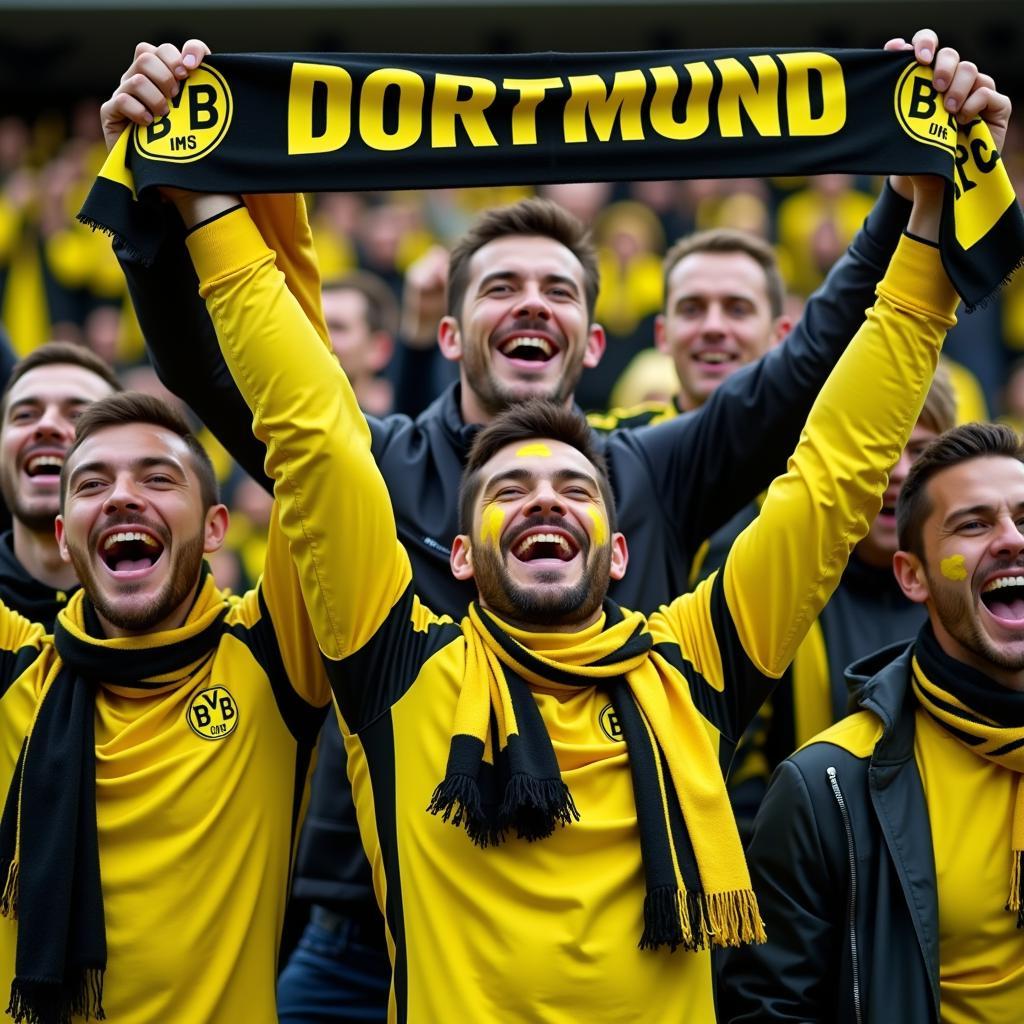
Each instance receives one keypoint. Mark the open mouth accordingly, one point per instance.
(44, 466)
(1004, 598)
(536, 547)
(714, 358)
(130, 551)
(528, 348)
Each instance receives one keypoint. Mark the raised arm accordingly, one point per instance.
(332, 502)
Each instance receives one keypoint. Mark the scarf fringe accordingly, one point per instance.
(1016, 899)
(46, 1002)
(9, 896)
(693, 920)
(457, 799)
(985, 301)
(533, 807)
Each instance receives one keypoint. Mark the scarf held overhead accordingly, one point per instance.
(502, 774)
(344, 122)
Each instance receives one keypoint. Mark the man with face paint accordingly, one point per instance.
(576, 744)
(887, 853)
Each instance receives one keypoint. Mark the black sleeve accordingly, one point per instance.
(792, 977)
(7, 358)
(413, 372)
(709, 463)
(183, 346)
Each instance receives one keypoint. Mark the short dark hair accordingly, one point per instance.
(381, 304)
(729, 240)
(527, 217)
(58, 353)
(961, 444)
(532, 419)
(136, 407)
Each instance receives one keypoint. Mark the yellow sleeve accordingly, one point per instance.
(786, 564)
(332, 503)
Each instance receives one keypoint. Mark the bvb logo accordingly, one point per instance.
(920, 112)
(213, 713)
(610, 724)
(199, 118)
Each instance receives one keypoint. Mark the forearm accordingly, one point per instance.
(333, 505)
(815, 514)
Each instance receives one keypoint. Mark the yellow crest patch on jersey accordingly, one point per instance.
(212, 713)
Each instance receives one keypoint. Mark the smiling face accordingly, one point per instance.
(134, 526)
(523, 329)
(38, 428)
(971, 575)
(717, 319)
(541, 550)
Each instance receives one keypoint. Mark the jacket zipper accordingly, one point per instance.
(838, 793)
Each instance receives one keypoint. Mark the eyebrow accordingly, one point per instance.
(974, 510)
(511, 275)
(36, 400)
(525, 476)
(146, 462)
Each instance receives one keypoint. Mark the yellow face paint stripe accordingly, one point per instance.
(491, 522)
(600, 525)
(538, 450)
(953, 568)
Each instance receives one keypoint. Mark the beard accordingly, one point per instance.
(182, 577)
(564, 605)
(34, 518)
(959, 619)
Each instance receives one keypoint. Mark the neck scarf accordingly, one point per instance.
(502, 775)
(257, 123)
(49, 851)
(988, 718)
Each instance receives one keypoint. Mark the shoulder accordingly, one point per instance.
(643, 415)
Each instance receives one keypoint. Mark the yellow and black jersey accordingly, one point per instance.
(200, 785)
(543, 931)
(644, 415)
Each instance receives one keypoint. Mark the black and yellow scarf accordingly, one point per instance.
(49, 851)
(259, 123)
(502, 775)
(988, 718)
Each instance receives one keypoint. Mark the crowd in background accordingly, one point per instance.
(59, 279)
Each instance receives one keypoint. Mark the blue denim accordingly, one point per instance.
(334, 976)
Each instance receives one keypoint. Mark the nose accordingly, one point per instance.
(533, 304)
(901, 469)
(52, 423)
(124, 495)
(545, 501)
(1008, 540)
(713, 324)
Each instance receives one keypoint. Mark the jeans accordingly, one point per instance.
(337, 973)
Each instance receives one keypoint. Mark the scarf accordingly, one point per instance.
(502, 775)
(258, 123)
(49, 850)
(988, 718)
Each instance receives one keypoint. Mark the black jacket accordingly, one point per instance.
(23, 593)
(675, 483)
(842, 863)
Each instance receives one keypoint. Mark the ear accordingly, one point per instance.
(461, 558)
(620, 557)
(596, 343)
(62, 541)
(382, 347)
(780, 328)
(660, 340)
(910, 575)
(449, 338)
(215, 528)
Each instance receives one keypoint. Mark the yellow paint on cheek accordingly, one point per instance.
(953, 568)
(538, 450)
(491, 522)
(600, 526)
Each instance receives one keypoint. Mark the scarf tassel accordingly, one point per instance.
(45, 1002)
(1016, 900)
(9, 896)
(673, 918)
(533, 807)
(457, 799)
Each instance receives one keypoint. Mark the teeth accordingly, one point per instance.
(545, 538)
(714, 357)
(125, 537)
(1002, 583)
(524, 342)
(44, 460)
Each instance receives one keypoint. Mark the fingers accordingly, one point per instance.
(925, 44)
(897, 44)
(193, 53)
(946, 64)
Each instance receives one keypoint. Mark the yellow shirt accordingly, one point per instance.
(981, 950)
